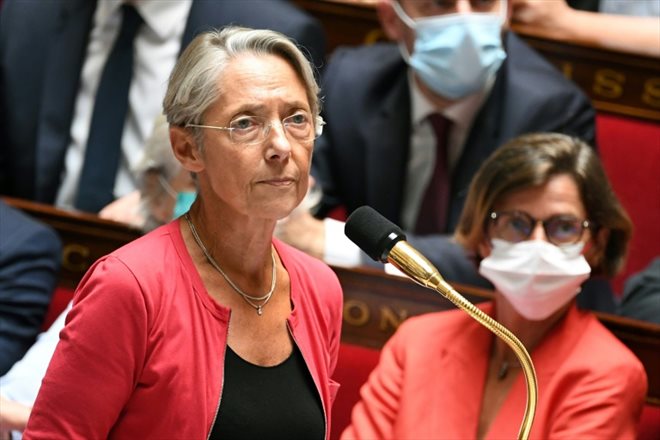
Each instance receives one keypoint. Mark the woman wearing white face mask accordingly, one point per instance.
(542, 217)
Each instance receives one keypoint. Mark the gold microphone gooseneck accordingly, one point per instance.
(420, 270)
(383, 241)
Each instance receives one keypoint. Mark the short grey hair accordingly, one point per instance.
(193, 84)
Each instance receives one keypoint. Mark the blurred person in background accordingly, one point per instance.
(166, 190)
(83, 82)
(631, 26)
(30, 256)
(641, 294)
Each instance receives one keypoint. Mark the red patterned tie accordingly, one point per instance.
(432, 218)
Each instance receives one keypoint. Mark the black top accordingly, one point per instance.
(279, 402)
(585, 5)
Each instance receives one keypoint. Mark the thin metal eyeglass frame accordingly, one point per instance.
(318, 130)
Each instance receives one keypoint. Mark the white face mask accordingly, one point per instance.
(536, 277)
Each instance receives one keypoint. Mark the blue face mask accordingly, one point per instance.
(184, 201)
(455, 55)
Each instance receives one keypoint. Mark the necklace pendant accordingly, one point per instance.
(248, 298)
(504, 369)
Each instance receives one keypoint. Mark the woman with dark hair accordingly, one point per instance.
(540, 218)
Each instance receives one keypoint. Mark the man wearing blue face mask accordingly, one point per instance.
(409, 122)
(455, 55)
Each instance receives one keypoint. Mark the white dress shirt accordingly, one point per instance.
(641, 8)
(157, 46)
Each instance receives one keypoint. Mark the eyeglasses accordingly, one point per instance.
(516, 226)
(250, 130)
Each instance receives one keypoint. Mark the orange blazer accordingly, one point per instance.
(430, 379)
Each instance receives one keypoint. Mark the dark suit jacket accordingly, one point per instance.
(361, 157)
(641, 294)
(29, 263)
(42, 49)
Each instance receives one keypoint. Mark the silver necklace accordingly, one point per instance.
(251, 300)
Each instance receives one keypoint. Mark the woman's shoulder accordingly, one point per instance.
(598, 374)
(149, 250)
(137, 262)
(589, 383)
(600, 352)
(138, 275)
(153, 239)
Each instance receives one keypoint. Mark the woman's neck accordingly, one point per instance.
(239, 246)
(530, 333)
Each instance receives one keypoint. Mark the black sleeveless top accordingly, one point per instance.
(279, 402)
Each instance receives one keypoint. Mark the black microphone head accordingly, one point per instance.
(372, 232)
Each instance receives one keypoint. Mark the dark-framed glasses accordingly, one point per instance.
(516, 226)
(250, 130)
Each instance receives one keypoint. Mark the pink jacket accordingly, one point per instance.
(142, 353)
(430, 379)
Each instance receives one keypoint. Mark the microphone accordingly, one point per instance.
(384, 241)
